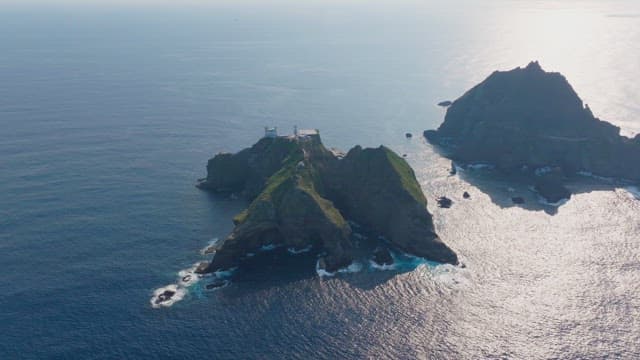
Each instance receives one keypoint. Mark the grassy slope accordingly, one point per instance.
(282, 181)
(407, 176)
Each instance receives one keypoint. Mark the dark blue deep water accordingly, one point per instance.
(108, 115)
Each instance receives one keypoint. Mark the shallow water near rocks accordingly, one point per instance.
(108, 121)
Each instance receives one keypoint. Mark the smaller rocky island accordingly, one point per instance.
(308, 198)
(530, 121)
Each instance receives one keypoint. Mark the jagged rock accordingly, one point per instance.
(306, 201)
(382, 256)
(466, 195)
(527, 118)
(550, 186)
(201, 268)
(444, 202)
(247, 171)
(165, 296)
(408, 135)
(453, 169)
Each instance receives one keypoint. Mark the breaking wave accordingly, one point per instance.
(170, 294)
(299, 251)
(634, 191)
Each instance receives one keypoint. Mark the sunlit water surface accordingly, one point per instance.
(108, 116)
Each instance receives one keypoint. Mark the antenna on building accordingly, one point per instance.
(295, 130)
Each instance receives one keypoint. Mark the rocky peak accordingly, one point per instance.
(532, 118)
(307, 194)
(534, 66)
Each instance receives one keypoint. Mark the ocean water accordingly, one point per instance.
(108, 114)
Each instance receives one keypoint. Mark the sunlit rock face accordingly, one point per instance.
(306, 196)
(528, 118)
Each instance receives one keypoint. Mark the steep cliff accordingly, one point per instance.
(378, 189)
(308, 194)
(530, 118)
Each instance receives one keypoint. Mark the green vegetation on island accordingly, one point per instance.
(303, 196)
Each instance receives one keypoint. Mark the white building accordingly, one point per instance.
(270, 132)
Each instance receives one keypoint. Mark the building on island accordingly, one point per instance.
(270, 132)
(299, 134)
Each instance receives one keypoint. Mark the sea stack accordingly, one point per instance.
(527, 119)
(304, 196)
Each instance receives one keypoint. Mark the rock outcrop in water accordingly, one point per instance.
(527, 119)
(303, 194)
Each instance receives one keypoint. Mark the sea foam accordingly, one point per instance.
(634, 191)
(186, 278)
(299, 251)
(323, 272)
(558, 203)
(178, 295)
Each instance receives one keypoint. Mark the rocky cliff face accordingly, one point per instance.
(532, 118)
(306, 194)
(378, 189)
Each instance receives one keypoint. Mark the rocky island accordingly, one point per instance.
(528, 120)
(306, 197)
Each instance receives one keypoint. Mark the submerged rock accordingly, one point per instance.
(517, 200)
(445, 103)
(408, 135)
(550, 187)
(216, 283)
(527, 118)
(306, 200)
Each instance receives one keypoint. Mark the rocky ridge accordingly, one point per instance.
(530, 120)
(303, 196)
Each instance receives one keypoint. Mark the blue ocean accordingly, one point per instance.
(110, 111)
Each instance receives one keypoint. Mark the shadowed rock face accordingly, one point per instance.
(306, 194)
(532, 118)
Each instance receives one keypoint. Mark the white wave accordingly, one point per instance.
(211, 247)
(178, 294)
(593, 176)
(480, 166)
(543, 170)
(354, 267)
(323, 272)
(544, 201)
(188, 277)
(224, 273)
(634, 191)
(385, 267)
(300, 251)
(268, 247)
